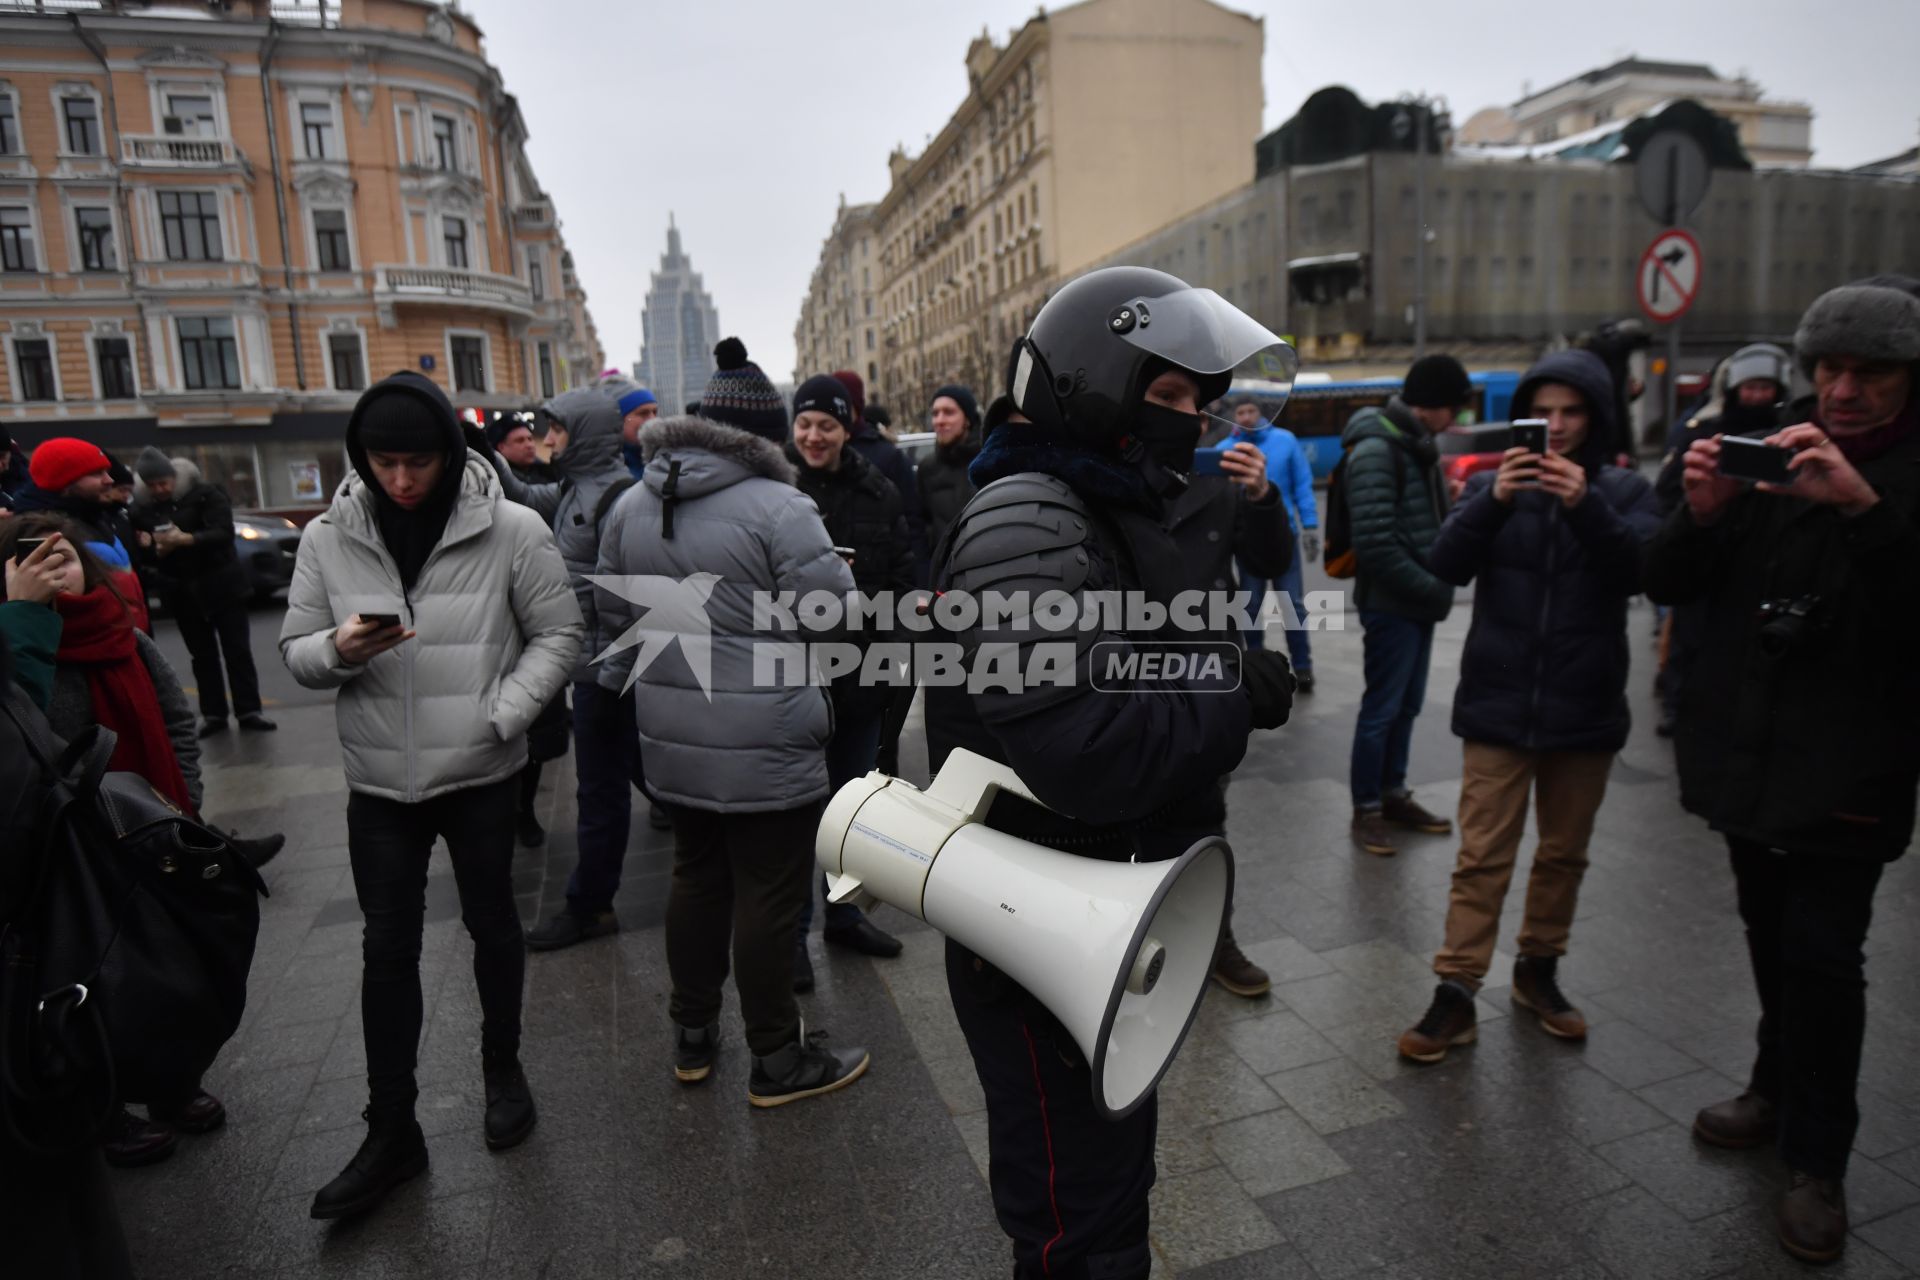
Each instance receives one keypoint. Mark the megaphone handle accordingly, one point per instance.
(849, 889)
(968, 781)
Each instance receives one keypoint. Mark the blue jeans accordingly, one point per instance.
(850, 752)
(1292, 583)
(1398, 651)
(606, 758)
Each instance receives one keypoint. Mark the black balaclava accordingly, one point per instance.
(408, 414)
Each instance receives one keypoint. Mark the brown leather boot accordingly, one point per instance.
(1232, 970)
(1812, 1218)
(1536, 987)
(1370, 834)
(1738, 1123)
(1450, 1020)
(1403, 810)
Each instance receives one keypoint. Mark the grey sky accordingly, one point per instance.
(748, 118)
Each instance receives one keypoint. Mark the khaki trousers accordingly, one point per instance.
(1567, 787)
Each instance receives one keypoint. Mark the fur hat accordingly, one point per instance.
(1865, 321)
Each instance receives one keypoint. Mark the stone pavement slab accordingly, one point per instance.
(1294, 1142)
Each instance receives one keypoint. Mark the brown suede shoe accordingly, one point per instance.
(1404, 811)
(1370, 834)
(1450, 1020)
(1812, 1218)
(1536, 987)
(1232, 970)
(1738, 1123)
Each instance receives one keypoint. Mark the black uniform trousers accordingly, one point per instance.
(1807, 918)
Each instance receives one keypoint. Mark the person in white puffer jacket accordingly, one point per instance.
(433, 712)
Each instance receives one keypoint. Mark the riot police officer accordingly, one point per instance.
(1106, 391)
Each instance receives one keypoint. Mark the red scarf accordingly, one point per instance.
(98, 638)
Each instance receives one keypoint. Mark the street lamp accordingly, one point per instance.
(1415, 114)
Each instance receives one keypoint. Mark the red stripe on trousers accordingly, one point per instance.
(1046, 1129)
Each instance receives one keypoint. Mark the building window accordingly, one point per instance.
(34, 356)
(114, 357)
(9, 125)
(190, 225)
(95, 229)
(453, 234)
(16, 240)
(344, 358)
(190, 115)
(83, 125)
(330, 239)
(209, 357)
(546, 368)
(316, 127)
(469, 363)
(446, 151)
(536, 280)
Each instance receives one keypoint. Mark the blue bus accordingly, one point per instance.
(1319, 407)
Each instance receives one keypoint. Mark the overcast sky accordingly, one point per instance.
(748, 118)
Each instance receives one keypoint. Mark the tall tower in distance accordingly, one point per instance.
(679, 327)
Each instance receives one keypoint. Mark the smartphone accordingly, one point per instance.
(845, 553)
(1530, 434)
(381, 621)
(1745, 458)
(1206, 462)
(26, 547)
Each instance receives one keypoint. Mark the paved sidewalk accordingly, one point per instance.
(1293, 1142)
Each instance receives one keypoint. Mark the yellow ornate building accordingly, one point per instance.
(216, 228)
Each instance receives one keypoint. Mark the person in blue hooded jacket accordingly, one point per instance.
(1291, 474)
(1556, 541)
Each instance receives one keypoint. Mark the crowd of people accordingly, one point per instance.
(457, 595)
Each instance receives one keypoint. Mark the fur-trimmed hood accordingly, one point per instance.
(712, 456)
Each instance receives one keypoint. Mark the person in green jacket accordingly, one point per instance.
(27, 618)
(1396, 502)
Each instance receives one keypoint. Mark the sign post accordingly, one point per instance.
(1671, 177)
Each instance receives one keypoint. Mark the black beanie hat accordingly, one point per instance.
(1437, 382)
(824, 393)
(502, 427)
(399, 423)
(962, 397)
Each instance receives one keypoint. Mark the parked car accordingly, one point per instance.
(266, 546)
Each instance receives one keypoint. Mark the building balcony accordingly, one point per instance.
(178, 151)
(536, 215)
(451, 287)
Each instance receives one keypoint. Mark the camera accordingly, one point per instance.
(1786, 624)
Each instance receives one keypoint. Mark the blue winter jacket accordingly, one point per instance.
(1287, 468)
(1545, 664)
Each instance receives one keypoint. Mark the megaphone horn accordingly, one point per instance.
(1119, 952)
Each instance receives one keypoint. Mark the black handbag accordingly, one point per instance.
(124, 968)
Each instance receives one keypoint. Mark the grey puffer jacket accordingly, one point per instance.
(716, 519)
(589, 466)
(497, 633)
(71, 708)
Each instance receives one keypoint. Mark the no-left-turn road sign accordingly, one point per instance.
(1669, 277)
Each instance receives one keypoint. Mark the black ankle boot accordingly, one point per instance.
(510, 1110)
(394, 1151)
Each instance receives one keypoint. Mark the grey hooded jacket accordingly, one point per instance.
(497, 633)
(587, 467)
(720, 502)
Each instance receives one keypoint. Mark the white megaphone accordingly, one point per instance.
(1119, 952)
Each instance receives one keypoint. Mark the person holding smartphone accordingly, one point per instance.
(1555, 539)
(1796, 739)
(441, 612)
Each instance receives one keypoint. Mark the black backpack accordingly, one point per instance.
(128, 934)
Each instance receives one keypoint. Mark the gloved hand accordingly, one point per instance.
(1267, 678)
(1309, 545)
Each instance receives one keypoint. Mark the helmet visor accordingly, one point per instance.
(1201, 331)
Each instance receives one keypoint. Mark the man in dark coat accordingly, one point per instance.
(941, 476)
(203, 585)
(894, 465)
(1222, 524)
(1796, 739)
(1555, 541)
